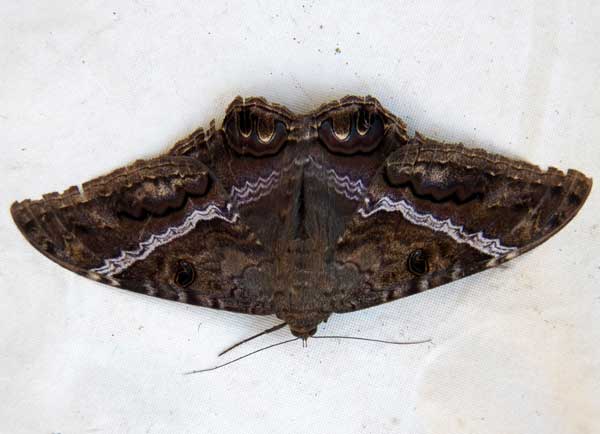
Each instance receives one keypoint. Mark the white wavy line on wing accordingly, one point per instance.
(353, 190)
(477, 240)
(253, 191)
(344, 185)
(120, 263)
(345, 182)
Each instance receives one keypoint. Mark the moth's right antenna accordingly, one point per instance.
(381, 341)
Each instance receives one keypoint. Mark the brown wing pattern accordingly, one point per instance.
(162, 227)
(438, 212)
(302, 215)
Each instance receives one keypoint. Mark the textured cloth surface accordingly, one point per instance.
(90, 86)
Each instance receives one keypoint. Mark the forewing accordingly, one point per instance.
(254, 160)
(438, 212)
(163, 227)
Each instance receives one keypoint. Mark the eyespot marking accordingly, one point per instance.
(185, 274)
(418, 262)
(347, 132)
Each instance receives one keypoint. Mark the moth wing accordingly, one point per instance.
(439, 212)
(163, 227)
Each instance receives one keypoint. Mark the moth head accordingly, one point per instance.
(304, 324)
(355, 125)
(256, 128)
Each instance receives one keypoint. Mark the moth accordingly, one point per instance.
(301, 215)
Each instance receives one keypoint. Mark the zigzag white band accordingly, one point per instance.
(120, 263)
(252, 191)
(477, 240)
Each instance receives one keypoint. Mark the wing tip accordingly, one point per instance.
(574, 198)
(580, 190)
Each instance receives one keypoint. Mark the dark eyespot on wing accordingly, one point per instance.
(256, 128)
(185, 274)
(417, 262)
(352, 129)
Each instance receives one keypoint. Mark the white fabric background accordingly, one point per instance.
(87, 87)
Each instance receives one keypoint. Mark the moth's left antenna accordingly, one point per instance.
(240, 358)
(272, 329)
